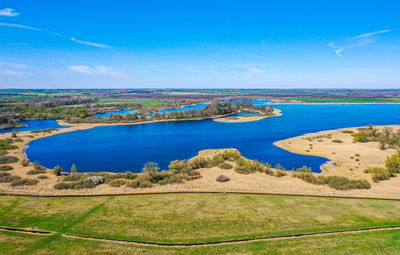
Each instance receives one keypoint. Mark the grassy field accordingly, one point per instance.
(379, 242)
(192, 218)
(130, 102)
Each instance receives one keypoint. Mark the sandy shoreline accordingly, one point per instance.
(256, 182)
(275, 112)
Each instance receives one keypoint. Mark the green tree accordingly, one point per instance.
(393, 163)
(150, 167)
(176, 166)
(74, 169)
(57, 170)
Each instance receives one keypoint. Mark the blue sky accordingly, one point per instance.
(199, 44)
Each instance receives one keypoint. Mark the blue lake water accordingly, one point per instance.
(33, 125)
(121, 148)
(254, 102)
(185, 108)
(107, 114)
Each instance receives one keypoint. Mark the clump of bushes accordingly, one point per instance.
(117, 182)
(280, 173)
(25, 162)
(337, 141)
(57, 170)
(6, 168)
(347, 132)
(36, 171)
(24, 182)
(392, 165)
(335, 182)
(379, 174)
(225, 165)
(6, 144)
(42, 177)
(6, 177)
(8, 159)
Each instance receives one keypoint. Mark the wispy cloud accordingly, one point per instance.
(15, 65)
(355, 41)
(255, 68)
(98, 45)
(2, 24)
(8, 12)
(369, 34)
(13, 73)
(97, 70)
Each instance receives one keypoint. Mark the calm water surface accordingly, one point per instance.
(121, 148)
(107, 114)
(33, 125)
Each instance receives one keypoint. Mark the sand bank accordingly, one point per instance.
(248, 118)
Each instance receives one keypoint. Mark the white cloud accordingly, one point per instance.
(369, 34)
(256, 70)
(14, 65)
(8, 12)
(98, 45)
(2, 24)
(355, 42)
(12, 73)
(97, 70)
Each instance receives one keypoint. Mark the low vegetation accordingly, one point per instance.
(392, 168)
(8, 159)
(335, 182)
(6, 168)
(386, 137)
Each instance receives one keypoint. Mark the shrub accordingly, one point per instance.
(94, 179)
(24, 182)
(150, 167)
(174, 178)
(280, 173)
(243, 166)
(75, 177)
(130, 176)
(343, 183)
(225, 165)
(42, 177)
(18, 140)
(6, 168)
(347, 132)
(57, 170)
(379, 174)
(337, 141)
(74, 169)
(132, 184)
(37, 166)
(64, 185)
(25, 162)
(198, 162)
(8, 159)
(13, 134)
(6, 177)
(36, 171)
(117, 183)
(392, 163)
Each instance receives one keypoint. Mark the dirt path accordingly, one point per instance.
(182, 245)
